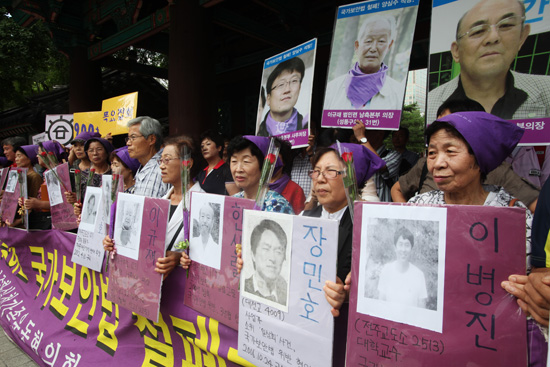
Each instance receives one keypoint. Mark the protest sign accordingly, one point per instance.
(215, 292)
(283, 311)
(369, 61)
(285, 94)
(140, 234)
(116, 112)
(522, 68)
(86, 122)
(3, 176)
(62, 211)
(60, 128)
(39, 138)
(12, 193)
(56, 311)
(88, 248)
(426, 289)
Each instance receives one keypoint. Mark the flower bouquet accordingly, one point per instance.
(350, 182)
(267, 172)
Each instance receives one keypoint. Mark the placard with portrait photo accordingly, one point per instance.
(129, 217)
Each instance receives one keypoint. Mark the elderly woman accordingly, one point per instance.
(213, 177)
(246, 155)
(122, 164)
(78, 153)
(170, 162)
(26, 156)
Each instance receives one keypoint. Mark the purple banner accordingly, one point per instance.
(12, 193)
(451, 310)
(214, 292)
(134, 283)
(296, 138)
(379, 119)
(57, 312)
(63, 214)
(536, 131)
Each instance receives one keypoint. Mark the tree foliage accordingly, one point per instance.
(414, 121)
(29, 61)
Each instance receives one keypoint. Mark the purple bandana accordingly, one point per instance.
(277, 128)
(491, 138)
(83, 137)
(280, 184)
(122, 154)
(56, 148)
(366, 163)
(31, 151)
(106, 144)
(362, 87)
(262, 143)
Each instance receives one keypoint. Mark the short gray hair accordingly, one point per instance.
(14, 141)
(372, 19)
(148, 126)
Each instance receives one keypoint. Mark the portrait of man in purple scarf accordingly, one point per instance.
(283, 89)
(367, 85)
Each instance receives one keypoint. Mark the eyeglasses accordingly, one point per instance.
(165, 161)
(98, 150)
(503, 26)
(328, 174)
(132, 138)
(292, 82)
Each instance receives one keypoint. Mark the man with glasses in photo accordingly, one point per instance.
(488, 38)
(283, 89)
(144, 143)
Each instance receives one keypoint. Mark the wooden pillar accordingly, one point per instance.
(85, 82)
(191, 70)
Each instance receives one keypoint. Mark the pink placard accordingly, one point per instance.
(480, 323)
(215, 293)
(3, 176)
(537, 131)
(63, 217)
(9, 205)
(134, 284)
(372, 119)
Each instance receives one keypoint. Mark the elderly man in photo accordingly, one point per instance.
(488, 38)
(367, 85)
(283, 89)
(204, 249)
(268, 242)
(400, 281)
(144, 143)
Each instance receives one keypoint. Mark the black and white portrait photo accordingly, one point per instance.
(90, 208)
(129, 214)
(402, 266)
(54, 189)
(266, 258)
(12, 181)
(106, 186)
(206, 229)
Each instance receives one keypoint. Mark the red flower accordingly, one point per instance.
(50, 153)
(271, 158)
(347, 157)
(76, 171)
(92, 170)
(185, 163)
(43, 154)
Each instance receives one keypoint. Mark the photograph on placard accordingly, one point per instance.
(206, 229)
(402, 268)
(12, 181)
(106, 186)
(129, 216)
(54, 189)
(267, 257)
(90, 209)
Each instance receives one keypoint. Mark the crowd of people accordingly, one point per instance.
(459, 168)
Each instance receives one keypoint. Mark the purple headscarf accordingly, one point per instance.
(366, 163)
(106, 144)
(31, 151)
(491, 138)
(124, 156)
(56, 148)
(85, 136)
(361, 87)
(262, 143)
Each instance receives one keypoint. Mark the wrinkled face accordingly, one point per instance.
(170, 170)
(284, 92)
(492, 53)
(245, 169)
(269, 256)
(373, 45)
(209, 149)
(206, 219)
(9, 153)
(97, 153)
(78, 149)
(454, 169)
(330, 192)
(21, 160)
(138, 145)
(403, 249)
